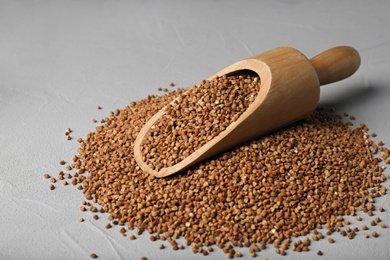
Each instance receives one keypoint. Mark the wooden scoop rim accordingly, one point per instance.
(251, 64)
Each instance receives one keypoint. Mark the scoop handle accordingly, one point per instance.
(336, 64)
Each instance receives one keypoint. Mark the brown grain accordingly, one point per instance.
(261, 193)
(196, 117)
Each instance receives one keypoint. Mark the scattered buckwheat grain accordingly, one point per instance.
(264, 192)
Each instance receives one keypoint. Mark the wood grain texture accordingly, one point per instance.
(290, 90)
(336, 64)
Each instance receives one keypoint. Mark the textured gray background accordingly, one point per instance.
(59, 60)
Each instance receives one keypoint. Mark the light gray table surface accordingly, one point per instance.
(59, 60)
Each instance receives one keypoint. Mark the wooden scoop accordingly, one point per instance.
(289, 91)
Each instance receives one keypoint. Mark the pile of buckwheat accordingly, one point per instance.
(278, 190)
